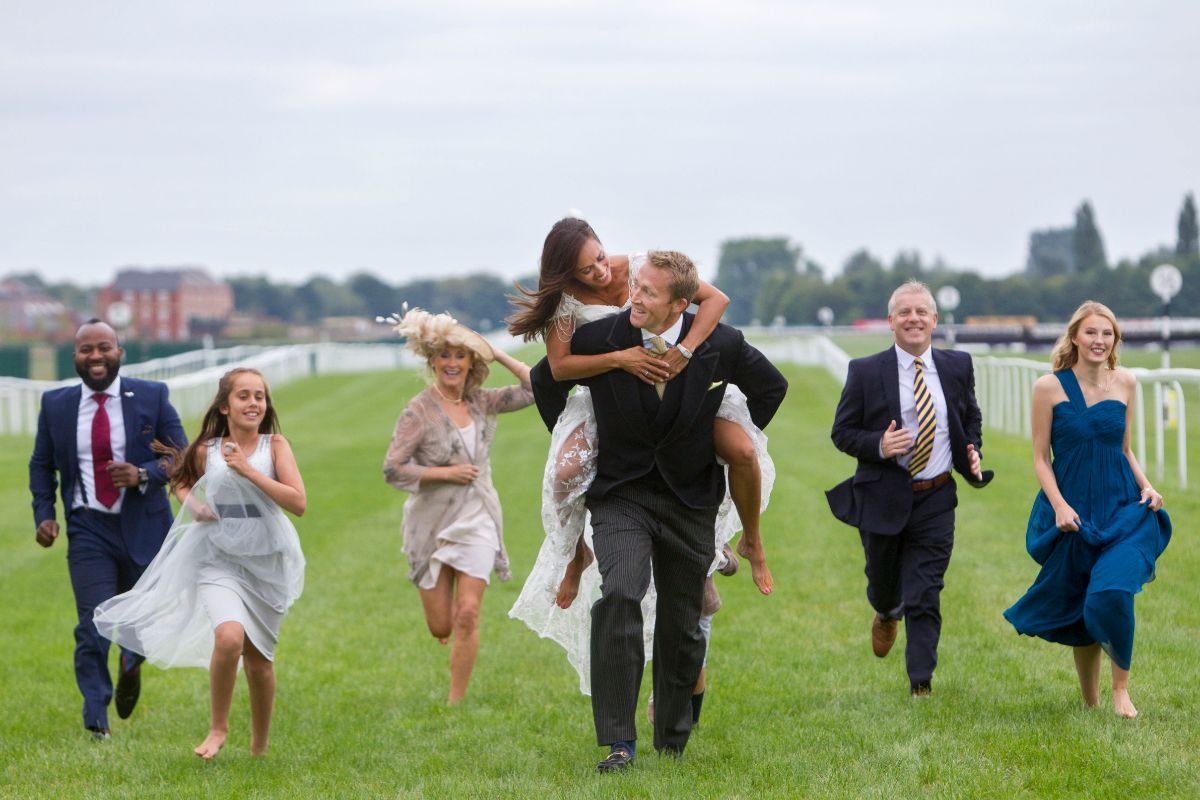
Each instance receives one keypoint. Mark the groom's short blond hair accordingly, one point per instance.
(684, 281)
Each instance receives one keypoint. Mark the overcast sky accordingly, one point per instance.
(421, 139)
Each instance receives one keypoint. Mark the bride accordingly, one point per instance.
(579, 283)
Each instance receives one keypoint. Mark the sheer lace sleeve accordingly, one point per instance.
(504, 399)
(635, 263)
(563, 321)
(399, 468)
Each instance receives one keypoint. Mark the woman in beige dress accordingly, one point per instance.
(439, 454)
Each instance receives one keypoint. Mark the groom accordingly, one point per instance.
(655, 496)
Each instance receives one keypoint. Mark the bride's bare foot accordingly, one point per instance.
(1123, 705)
(211, 745)
(568, 589)
(758, 566)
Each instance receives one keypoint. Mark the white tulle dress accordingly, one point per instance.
(566, 518)
(246, 566)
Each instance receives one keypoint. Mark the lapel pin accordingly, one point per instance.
(128, 394)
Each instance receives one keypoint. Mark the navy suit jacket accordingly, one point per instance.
(638, 433)
(878, 499)
(148, 415)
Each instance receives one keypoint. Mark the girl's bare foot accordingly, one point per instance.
(758, 566)
(211, 745)
(256, 749)
(1123, 705)
(568, 589)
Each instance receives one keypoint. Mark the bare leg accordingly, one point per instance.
(439, 605)
(745, 488)
(467, 602)
(568, 473)
(1120, 691)
(228, 640)
(260, 675)
(1087, 664)
(568, 588)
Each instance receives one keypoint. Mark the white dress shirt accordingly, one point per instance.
(940, 459)
(670, 335)
(83, 444)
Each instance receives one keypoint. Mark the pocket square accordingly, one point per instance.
(715, 384)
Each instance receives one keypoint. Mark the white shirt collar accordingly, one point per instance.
(113, 390)
(670, 335)
(905, 359)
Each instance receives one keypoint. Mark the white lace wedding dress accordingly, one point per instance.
(566, 518)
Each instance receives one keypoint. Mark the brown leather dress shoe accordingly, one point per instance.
(883, 635)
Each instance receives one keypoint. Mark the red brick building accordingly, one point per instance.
(165, 305)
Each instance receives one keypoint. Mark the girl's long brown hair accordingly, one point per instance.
(560, 254)
(185, 468)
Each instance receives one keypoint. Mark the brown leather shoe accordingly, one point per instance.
(883, 635)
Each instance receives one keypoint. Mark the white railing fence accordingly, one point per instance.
(192, 377)
(1004, 386)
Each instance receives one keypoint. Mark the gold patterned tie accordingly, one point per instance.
(926, 421)
(659, 346)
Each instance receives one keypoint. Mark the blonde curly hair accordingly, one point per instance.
(428, 334)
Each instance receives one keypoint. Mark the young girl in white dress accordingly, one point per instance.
(580, 283)
(231, 566)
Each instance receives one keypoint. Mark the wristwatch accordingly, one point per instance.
(683, 351)
(143, 476)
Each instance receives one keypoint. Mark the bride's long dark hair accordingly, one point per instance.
(185, 468)
(560, 256)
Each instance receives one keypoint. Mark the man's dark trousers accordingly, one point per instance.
(639, 526)
(101, 567)
(905, 572)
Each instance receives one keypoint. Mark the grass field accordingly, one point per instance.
(797, 705)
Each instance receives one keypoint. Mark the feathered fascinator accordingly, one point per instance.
(428, 333)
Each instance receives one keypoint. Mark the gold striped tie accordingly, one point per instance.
(658, 346)
(926, 421)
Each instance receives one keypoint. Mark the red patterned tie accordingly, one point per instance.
(102, 454)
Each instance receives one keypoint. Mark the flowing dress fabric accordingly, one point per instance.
(470, 543)
(246, 565)
(565, 517)
(1119, 539)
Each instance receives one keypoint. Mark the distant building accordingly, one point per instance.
(165, 305)
(27, 312)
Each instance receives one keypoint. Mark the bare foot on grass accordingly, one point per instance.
(568, 589)
(211, 745)
(758, 566)
(257, 749)
(1123, 705)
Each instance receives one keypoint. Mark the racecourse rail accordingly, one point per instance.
(1004, 386)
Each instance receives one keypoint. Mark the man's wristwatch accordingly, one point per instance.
(143, 476)
(683, 351)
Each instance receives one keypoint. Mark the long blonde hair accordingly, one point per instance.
(1065, 354)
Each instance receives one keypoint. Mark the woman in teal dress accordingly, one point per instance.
(1097, 527)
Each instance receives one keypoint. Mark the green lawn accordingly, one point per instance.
(797, 705)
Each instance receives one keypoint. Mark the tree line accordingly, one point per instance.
(770, 280)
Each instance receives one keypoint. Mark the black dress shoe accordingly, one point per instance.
(129, 688)
(100, 734)
(922, 689)
(616, 761)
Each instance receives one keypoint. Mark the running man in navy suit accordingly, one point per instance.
(93, 441)
(908, 414)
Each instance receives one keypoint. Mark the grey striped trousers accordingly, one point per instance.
(636, 527)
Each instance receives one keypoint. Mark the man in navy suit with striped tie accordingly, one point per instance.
(94, 439)
(908, 414)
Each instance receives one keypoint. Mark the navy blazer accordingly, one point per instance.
(878, 499)
(148, 415)
(637, 432)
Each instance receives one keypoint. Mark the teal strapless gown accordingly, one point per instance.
(1114, 552)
